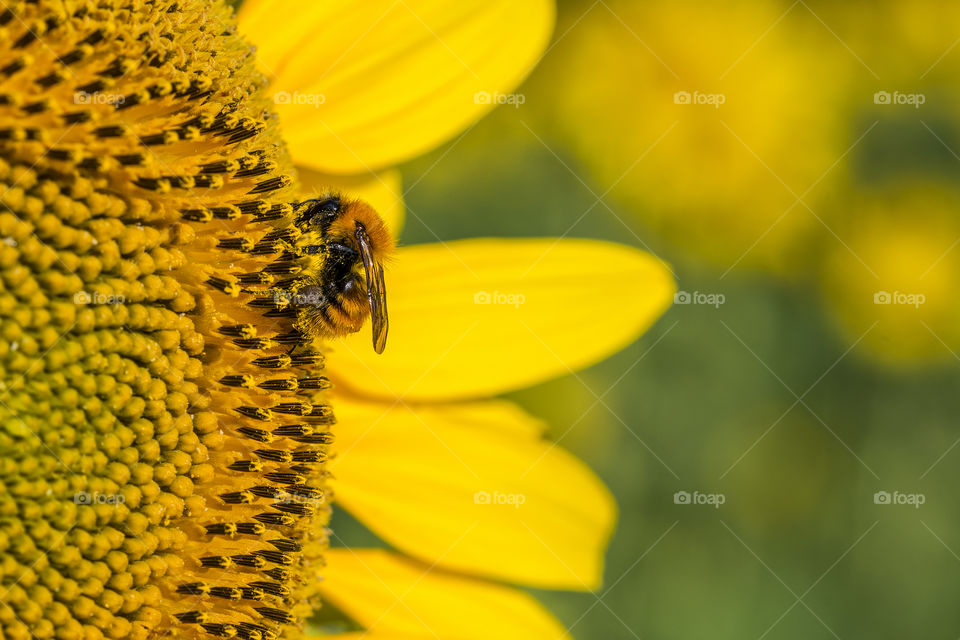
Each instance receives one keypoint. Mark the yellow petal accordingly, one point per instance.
(474, 489)
(364, 84)
(363, 635)
(383, 190)
(390, 594)
(476, 318)
(358, 635)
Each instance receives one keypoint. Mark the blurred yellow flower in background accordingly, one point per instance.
(893, 264)
(711, 151)
(742, 134)
(896, 282)
(903, 44)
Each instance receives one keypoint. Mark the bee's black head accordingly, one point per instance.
(318, 214)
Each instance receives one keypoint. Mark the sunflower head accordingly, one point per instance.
(163, 431)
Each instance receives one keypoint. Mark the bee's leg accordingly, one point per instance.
(340, 254)
(302, 219)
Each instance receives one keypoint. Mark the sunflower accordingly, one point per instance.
(898, 300)
(167, 450)
(712, 165)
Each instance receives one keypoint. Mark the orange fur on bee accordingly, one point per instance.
(344, 227)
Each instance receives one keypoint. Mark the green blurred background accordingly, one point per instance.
(798, 199)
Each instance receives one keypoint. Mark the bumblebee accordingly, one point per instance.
(347, 286)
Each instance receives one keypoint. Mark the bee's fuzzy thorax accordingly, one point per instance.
(360, 211)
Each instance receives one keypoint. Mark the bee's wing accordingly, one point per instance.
(376, 291)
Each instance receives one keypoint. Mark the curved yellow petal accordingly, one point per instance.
(364, 84)
(390, 594)
(476, 318)
(474, 489)
(383, 190)
(364, 635)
